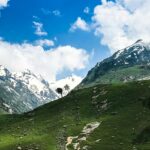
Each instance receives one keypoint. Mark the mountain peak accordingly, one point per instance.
(4, 72)
(129, 58)
(27, 71)
(138, 41)
(135, 49)
(24, 88)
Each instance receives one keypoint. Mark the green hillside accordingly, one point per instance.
(120, 114)
(119, 75)
(128, 64)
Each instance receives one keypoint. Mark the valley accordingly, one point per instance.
(75, 75)
(108, 110)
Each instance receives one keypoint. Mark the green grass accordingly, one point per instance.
(118, 75)
(125, 123)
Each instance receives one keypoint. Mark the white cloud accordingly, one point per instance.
(122, 22)
(48, 12)
(56, 13)
(35, 17)
(18, 57)
(39, 29)
(86, 10)
(79, 24)
(104, 2)
(3, 3)
(131, 4)
(45, 42)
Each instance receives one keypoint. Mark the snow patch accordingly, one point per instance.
(71, 81)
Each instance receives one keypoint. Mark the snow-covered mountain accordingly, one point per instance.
(128, 64)
(137, 53)
(22, 92)
(36, 84)
(25, 91)
(67, 84)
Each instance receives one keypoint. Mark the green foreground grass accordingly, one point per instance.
(125, 123)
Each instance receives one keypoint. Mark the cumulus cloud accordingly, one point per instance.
(44, 42)
(18, 57)
(3, 3)
(104, 1)
(39, 29)
(79, 24)
(123, 22)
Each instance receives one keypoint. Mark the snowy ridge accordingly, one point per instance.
(138, 47)
(138, 52)
(71, 81)
(23, 91)
(135, 55)
(36, 84)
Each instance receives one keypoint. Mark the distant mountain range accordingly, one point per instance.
(24, 91)
(131, 63)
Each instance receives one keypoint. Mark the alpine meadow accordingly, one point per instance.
(74, 75)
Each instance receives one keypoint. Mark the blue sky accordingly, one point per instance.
(16, 25)
(18, 17)
(91, 29)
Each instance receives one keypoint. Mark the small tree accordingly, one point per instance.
(66, 87)
(59, 91)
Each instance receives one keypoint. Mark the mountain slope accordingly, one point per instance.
(104, 117)
(131, 63)
(22, 92)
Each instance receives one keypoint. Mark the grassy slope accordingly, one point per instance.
(116, 76)
(124, 125)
